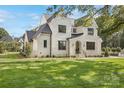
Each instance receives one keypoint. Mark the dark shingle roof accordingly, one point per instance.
(75, 35)
(30, 35)
(43, 29)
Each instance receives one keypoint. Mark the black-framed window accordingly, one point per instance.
(45, 43)
(74, 30)
(62, 45)
(62, 28)
(90, 31)
(90, 45)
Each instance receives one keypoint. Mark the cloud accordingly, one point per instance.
(3, 12)
(34, 16)
(2, 20)
(5, 15)
(76, 14)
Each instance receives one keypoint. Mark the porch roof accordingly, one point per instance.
(75, 35)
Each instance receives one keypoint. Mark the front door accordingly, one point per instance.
(77, 48)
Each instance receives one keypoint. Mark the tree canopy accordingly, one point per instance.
(110, 19)
(3, 32)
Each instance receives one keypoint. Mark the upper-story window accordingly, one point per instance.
(62, 28)
(90, 31)
(74, 30)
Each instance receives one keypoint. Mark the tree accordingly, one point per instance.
(1, 47)
(3, 32)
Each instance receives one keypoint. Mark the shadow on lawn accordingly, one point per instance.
(77, 73)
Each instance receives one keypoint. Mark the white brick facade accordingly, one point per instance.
(52, 39)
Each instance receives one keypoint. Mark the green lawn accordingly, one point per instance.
(58, 72)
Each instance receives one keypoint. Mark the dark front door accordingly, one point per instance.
(77, 50)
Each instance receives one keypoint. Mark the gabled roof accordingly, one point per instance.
(43, 29)
(30, 35)
(6, 38)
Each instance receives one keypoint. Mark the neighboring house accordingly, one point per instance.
(58, 36)
(6, 38)
(21, 42)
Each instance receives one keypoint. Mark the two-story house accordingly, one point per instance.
(58, 36)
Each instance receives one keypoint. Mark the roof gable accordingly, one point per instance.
(30, 35)
(43, 29)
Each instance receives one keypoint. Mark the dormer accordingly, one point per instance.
(85, 25)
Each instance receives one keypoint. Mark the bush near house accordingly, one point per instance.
(107, 51)
(2, 48)
(27, 51)
(10, 46)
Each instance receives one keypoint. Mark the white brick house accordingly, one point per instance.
(58, 36)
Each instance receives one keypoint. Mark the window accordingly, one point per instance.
(74, 30)
(45, 43)
(90, 45)
(90, 31)
(62, 45)
(62, 28)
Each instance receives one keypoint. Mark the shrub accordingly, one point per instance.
(118, 49)
(53, 56)
(106, 51)
(113, 49)
(2, 48)
(47, 56)
(27, 50)
(103, 49)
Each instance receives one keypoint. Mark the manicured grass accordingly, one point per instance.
(12, 55)
(60, 72)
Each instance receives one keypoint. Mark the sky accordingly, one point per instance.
(17, 19)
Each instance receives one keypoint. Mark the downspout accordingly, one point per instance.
(50, 45)
(68, 48)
